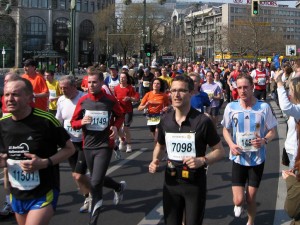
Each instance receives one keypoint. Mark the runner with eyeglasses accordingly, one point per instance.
(185, 133)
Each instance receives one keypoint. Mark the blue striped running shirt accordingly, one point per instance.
(246, 124)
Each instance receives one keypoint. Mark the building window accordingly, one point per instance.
(62, 4)
(85, 6)
(34, 33)
(92, 7)
(25, 3)
(78, 6)
(34, 3)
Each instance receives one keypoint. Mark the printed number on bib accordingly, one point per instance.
(146, 83)
(52, 94)
(99, 120)
(244, 141)
(180, 145)
(261, 81)
(70, 130)
(20, 179)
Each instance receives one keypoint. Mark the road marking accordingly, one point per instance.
(154, 216)
(124, 161)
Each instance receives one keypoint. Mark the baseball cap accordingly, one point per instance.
(125, 67)
(113, 66)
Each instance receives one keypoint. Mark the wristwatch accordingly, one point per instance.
(266, 140)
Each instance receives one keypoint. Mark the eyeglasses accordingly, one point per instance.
(180, 91)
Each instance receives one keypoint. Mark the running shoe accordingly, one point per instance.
(238, 210)
(119, 194)
(87, 205)
(122, 146)
(128, 148)
(6, 210)
(117, 152)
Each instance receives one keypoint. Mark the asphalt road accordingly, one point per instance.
(142, 202)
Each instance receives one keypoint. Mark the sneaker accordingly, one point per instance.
(119, 194)
(7, 210)
(87, 205)
(122, 146)
(117, 152)
(128, 148)
(238, 210)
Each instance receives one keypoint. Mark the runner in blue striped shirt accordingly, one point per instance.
(249, 125)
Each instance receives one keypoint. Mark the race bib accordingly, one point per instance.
(180, 145)
(261, 81)
(52, 94)
(244, 141)
(153, 120)
(99, 120)
(20, 179)
(233, 84)
(146, 83)
(71, 131)
(210, 94)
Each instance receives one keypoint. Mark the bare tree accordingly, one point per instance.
(251, 36)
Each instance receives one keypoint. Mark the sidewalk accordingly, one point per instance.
(280, 218)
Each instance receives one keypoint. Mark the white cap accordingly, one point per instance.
(125, 67)
(141, 65)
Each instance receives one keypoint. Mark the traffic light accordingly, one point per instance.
(254, 8)
(148, 49)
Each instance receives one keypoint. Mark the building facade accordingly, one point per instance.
(36, 25)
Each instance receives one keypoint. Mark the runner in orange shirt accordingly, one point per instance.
(40, 89)
(156, 102)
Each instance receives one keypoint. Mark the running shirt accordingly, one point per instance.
(39, 133)
(112, 82)
(262, 77)
(105, 112)
(121, 93)
(212, 90)
(39, 86)
(65, 110)
(158, 102)
(200, 100)
(198, 128)
(54, 92)
(246, 124)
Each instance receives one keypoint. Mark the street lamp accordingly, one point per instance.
(3, 57)
(72, 37)
(206, 49)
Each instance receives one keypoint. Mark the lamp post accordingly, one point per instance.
(206, 49)
(3, 57)
(72, 37)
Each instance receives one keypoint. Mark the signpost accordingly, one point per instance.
(290, 50)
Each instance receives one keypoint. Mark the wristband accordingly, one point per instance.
(266, 140)
(50, 162)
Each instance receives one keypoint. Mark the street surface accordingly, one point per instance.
(142, 204)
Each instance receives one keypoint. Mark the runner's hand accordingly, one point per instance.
(114, 133)
(33, 163)
(154, 166)
(287, 173)
(235, 149)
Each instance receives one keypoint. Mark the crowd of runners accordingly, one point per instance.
(90, 124)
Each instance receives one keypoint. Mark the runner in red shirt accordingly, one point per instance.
(126, 94)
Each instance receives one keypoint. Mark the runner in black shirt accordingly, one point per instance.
(185, 133)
